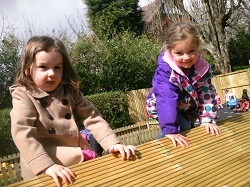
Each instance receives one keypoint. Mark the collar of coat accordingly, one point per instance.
(38, 93)
(201, 66)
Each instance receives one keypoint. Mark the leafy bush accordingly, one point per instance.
(7, 145)
(124, 63)
(113, 107)
(236, 68)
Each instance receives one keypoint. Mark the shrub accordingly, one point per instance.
(113, 107)
(236, 68)
(123, 63)
(7, 144)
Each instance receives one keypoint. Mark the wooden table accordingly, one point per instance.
(209, 161)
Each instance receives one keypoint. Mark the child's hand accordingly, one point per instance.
(213, 128)
(178, 138)
(123, 149)
(55, 171)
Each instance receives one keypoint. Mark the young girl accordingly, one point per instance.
(46, 103)
(182, 86)
(218, 100)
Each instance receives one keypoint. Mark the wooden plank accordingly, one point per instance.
(5, 180)
(209, 161)
(137, 104)
(10, 174)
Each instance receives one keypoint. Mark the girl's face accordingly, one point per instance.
(46, 70)
(185, 53)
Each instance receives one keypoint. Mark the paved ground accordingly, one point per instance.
(225, 113)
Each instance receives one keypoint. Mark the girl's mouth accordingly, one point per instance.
(50, 82)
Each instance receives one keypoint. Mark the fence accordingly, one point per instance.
(235, 82)
(137, 110)
(139, 133)
(10, 169)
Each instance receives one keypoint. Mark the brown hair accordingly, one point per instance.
(47, 44)
(178, 32)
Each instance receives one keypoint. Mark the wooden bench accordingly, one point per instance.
(134, 134)
(209, 161)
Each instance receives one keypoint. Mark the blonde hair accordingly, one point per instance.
(47, 44)
(178, 32)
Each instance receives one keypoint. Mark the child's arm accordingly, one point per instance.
(93, 121)
(207, 108)
(24, 133)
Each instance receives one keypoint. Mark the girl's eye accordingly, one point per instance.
(58, 67)
(42, 67)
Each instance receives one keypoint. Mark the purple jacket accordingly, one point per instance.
(174, 91)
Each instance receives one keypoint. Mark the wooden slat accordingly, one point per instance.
(222, 160)
(137, 104)
(10, 159)
(10, 174)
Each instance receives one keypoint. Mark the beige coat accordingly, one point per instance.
(44, 130)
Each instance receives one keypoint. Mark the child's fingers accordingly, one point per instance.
(128, 153)
(64, 173)
(70, 176)
(132, 149)
(55, 178)
(178, 138)
(125, 151)
(215, 130)
(129, 149)
(183, 143)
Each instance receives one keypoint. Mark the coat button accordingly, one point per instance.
(65, 102)
(50, 117)
(52, 131)
(44, 104)
(67, 116)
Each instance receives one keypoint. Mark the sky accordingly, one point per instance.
(45, 16)
(143, 3)
(42, 16)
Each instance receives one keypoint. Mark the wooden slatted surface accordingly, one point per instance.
(209, 161)
(137, 105)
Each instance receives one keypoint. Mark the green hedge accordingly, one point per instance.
(7, 145)
(112, 105)
(236, 68)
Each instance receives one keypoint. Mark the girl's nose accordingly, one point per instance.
(51, 73)
(186, 57)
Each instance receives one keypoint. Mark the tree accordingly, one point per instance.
(111, 17)
(9, 58)
(213, 19)
(239, 49)
(125, 62)
(86, 57)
